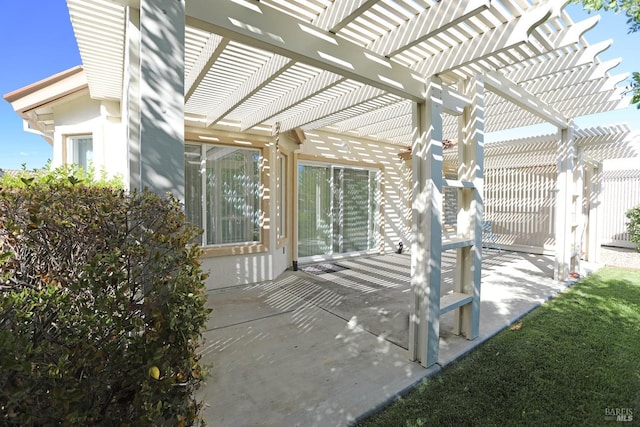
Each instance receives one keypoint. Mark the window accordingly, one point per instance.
(80, 150)
(222, 192)
(337, 210)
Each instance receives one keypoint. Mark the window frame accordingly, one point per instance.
(225, 249)
(283, 175)
(378, 215)
(71, 152)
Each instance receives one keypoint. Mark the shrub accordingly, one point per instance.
(65, 174)
(633, 226)
(102, 307)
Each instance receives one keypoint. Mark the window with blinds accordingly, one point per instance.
(337, 209)
(80, 150)
(222, 192)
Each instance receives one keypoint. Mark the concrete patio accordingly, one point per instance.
(325, 349)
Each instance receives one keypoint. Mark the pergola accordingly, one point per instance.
(409, 72)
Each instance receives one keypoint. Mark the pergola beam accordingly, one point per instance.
(590, 104)
(590, 72)
(573, 33)
(381, 122)
(380, 115)
(468, 59)
(267, 73)
(563, 94)
(208, 56)
(351, 112)
(566, 62)
(454, 102)
(401, 134)
(436, 19)
(591, 99)
(311, 88)
(339, 14)
(381, 128)
(510, 91)
(609, 105)
(342, 103)
(265, 28)
(501, 38)
(586, 88)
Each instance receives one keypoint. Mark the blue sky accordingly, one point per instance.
(36, 41)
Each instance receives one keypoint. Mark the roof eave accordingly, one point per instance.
(17, 94)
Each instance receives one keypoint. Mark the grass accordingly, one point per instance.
(574, 361)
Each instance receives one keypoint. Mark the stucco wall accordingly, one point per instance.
(238, 269)
(245, 264)
(101, 120)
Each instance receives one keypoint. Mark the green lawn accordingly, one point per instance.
(574, 361)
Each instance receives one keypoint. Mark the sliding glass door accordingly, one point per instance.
(338, 209)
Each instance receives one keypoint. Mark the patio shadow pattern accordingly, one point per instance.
(324, 349)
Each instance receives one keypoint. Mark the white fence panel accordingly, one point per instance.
(620, 192)
(520, 204)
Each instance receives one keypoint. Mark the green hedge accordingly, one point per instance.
(65, 175)
(102, 306)
(633, 226)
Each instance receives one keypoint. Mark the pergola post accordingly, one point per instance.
(579, 219)
(131, 96)
(470, 207)
(424, 318)
(565, 203)
(594, 187)
(155, 96)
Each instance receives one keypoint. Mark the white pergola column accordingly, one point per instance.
(424, 314)
(470, 207)
(565, 203)
(155, 95)
(131, 96)
(579, 217)
(594, 191)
